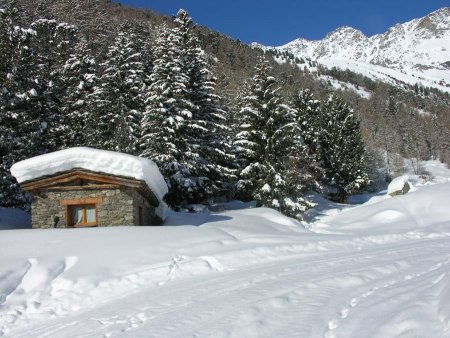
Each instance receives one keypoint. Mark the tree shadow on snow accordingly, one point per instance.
(364, 198)
(14, 219)
(193, 219)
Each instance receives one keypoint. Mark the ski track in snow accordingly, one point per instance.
(287, 297)
(376, 270)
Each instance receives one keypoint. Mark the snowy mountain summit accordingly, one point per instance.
(417, 51)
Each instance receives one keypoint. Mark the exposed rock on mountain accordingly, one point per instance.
(417, 51)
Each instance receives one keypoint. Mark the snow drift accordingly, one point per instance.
(421, 210)
(381, 269)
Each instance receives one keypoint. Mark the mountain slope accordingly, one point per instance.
(414, 52)
(233, 61)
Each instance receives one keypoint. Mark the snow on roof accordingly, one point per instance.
(108, 162)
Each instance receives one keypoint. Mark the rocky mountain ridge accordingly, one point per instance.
(417, 51)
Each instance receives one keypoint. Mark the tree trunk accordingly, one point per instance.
(342, 196)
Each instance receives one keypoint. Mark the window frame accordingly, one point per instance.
(69, 213)
(69, 204)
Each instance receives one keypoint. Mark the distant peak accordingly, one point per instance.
(345, 28)
(436, 23)
(298, 41)
(345, 31)
(439, 15)
(443, 10)
(258, 45)
(437, 20)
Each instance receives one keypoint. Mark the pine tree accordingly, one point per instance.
(251, 138)
(342, 149)
(165, 119)
(307, 110)
(268, 144)
(19, 124)
(206, 131)
(79, 78)
(53, 44)
(32, 92)
(184, 125)
(118, 97)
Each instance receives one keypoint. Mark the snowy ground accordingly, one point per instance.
(381, 269)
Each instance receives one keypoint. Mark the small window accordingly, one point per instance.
(82, 215)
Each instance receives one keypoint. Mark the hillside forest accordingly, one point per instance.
(221, 119)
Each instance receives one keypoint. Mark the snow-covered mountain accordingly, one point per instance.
(417, 51)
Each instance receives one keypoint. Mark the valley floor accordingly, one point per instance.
(380, 269)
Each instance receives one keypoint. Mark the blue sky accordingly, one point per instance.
(275, 22)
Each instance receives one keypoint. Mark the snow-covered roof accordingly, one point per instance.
(102, 161)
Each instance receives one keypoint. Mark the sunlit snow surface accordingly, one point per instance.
(381, 269)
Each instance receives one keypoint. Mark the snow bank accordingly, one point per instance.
(419, 210)
(102, 161)
(397, 184)
(239, 273)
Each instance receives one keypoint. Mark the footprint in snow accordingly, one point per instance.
(353, 302)
(332, 324)
(344, 313)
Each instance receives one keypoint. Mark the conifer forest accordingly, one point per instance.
(220, 119)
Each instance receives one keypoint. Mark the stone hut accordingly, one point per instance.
(85, 187)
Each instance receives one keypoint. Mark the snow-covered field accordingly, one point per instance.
(381, 269)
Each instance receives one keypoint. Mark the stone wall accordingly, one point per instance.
(149, 210)
(119, 207)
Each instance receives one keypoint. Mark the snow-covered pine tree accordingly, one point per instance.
(184, 126)
(53, 44)
(118, 97)
(165, 119)
(20, 125)
(209, 150)
(308, 115)
(342, 149)
(250, 140)
(79, 78)
(306, 109)
(141, 34)
(267, 142)
(293, 170)
(234, 103)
